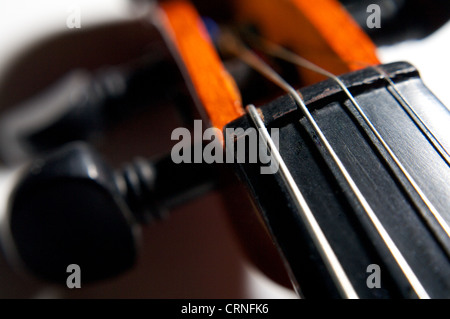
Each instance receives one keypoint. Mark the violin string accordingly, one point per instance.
(327, 253)
(325, 250)
(407, 107)
(398, 95)
(233, 45)
(282, 53)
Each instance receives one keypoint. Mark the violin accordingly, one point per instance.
(333, 167)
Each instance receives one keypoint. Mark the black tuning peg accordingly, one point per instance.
(72, 208)
(84, 104)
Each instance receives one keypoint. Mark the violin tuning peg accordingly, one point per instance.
(68, 209)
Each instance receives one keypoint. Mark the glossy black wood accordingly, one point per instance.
(352, 236)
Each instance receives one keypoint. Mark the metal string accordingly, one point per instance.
(282, 53)
(413, 114)
(325, 250)
(234, 46)
(327, 253)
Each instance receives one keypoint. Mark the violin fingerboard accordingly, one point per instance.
(411, 201)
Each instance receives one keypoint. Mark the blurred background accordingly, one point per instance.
(194, 254)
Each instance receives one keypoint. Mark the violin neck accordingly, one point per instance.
(363, 190)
